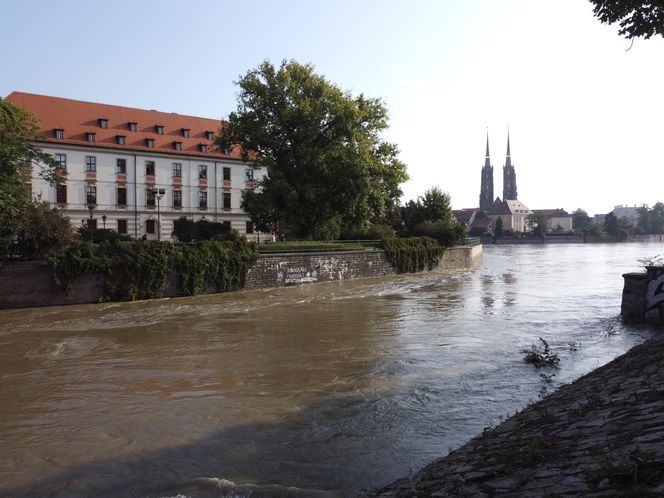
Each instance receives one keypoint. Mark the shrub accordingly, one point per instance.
(101, 235)
(541, 356)
(447, 234)
(412, 254)
(39, 232)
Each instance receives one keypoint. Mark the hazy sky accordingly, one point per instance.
(586, 115)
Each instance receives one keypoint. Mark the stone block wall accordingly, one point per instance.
(460, 258)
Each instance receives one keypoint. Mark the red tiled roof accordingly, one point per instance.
(464, 215)
(77, 118)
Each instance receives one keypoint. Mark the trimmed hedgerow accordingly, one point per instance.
(139, 269)
(413, 254)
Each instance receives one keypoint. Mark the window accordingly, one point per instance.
(90, 137)
(202, 171)
(227, 200)
(203, 147)
(91, 194)
(132, 125)
(185, 132)
(149, 226)
(121, 166)
(160, 129)
(250, 227)
(61, 194)
(61, 159)
(227, 174)
(209, 135)
(249, 175)
(177, 198)
(90, 163)
(103, 123)
(177, 170)
(177, 145)
(150, 197)
(59, 133)
(149, 142)
(149, 168)
(122, 196)
(121, 139)
(202, 199)
(122, 226)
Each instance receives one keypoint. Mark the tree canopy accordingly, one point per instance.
(636, 18)
(538, 224)
(581, 220)
(328, 168)
(651, 220)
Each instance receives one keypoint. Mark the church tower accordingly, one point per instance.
(486, 192)
(509, 175)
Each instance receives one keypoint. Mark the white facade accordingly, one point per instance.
(136, 217)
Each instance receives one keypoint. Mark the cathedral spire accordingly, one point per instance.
(487, 160)
(486, 189)
(509, 174)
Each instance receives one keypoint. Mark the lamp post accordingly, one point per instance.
(158, 194)
(103, 219)
(91, 208)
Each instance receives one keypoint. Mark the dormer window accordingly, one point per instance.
(132, 125)
(177, 145)
(209, 135)
(185, 132)
(59, 133)
(90, 137)
(203, 147)
(149, 142)
(103, 123)
(160, 129)
(121, 139)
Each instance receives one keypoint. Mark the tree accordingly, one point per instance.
(538, 224)
(328, 168)
(636, 18)
(651, 220)
(498, 231)
(19, 213)
(581, 220)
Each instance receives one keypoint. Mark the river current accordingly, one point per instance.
(321, 389)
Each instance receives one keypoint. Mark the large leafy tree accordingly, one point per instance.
(581, 220)
(651, 220)
(431, 215)
(635, 17)
(25, 225)
(328, 167)
(538, 224)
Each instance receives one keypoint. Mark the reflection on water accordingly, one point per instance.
(326, 388)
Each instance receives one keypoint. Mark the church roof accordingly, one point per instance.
(509, 207)
(552, 213)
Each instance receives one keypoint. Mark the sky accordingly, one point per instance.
(585, 111)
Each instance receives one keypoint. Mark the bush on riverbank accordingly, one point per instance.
(135, 270)
(413, 254)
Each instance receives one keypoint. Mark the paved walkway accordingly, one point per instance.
(602, 435)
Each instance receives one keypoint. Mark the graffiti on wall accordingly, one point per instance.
(655, 293)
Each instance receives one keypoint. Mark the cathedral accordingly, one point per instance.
(487, 201)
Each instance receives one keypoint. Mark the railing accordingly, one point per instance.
(470, 241)
(317, 246)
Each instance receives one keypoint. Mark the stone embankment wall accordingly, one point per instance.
(28, 284)
(602, 435)
(643, 296)
(278, 270)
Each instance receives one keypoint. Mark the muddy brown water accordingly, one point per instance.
(322, 389)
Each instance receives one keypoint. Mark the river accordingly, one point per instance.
(320, 389)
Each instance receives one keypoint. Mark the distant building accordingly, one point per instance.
(631, 213)
(486, 187)
(513, 213)
(509, 175)
(559, 219)
(465, 216)
(599, 218)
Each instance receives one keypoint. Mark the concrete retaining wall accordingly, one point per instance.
(643, 296)
(29, 284)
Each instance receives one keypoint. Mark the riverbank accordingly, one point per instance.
(602, 435)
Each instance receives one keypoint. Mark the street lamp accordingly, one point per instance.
(103, 219)
(91, 208)
(158, 194)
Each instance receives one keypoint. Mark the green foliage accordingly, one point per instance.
(618, 228)
(27, 227)
(187, 231)
(477, 231)
(328, 230)
(651, 220)
(322, 150)
(636, 18)
(538, 224)
(139, 269)
(101, 235)
(311, 246)
(498, 231)
(413, 254)
(445, 233)
(581, 220)
(541, 356)
(431, 216)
